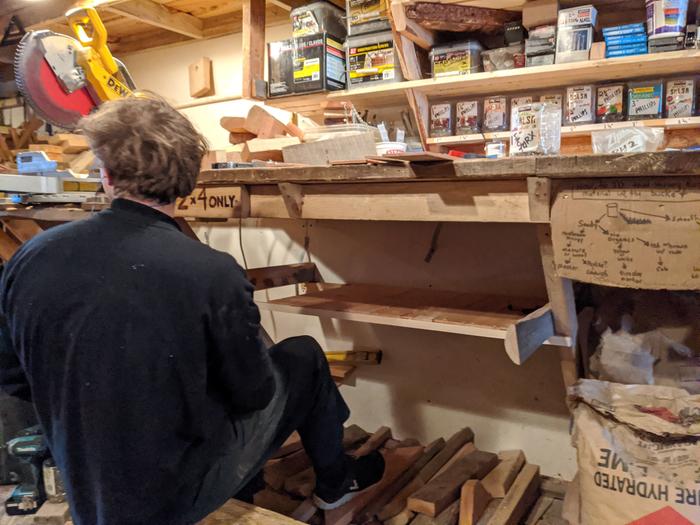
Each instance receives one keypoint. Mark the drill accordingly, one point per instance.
(31, 449)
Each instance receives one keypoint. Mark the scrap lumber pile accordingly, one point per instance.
(69, 150)
(343, 364)
(447, 482)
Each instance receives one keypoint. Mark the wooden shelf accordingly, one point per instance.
(573, 131)
(422, 309)
(537, 77)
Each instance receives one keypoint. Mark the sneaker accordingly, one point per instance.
(363, 473)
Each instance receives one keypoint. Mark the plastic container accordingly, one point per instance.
(579, 105)
(516, 102)
(510, 57)
(496, 149)
(441, 120)
(610, 103)
(666, 18)
(645, 100)
(318, 17)
(339, 130)
(468, 115)
(536, 130)
(371, 60)
(367, 16)
(495, 113)
(391, 148)
(680, 98)
(456, 59)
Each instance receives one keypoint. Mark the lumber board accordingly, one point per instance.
(234, 124)
(374, 442)
(553, 487)
(52, 514)
(8, 246)
(397, 461)
(543, 504)
(452, 446)
(240, 513)
(268, 122)
(277, 471)
(323, 152)
(465, 450)
(214, 202)
(447, 201)
(474, 499)
(449, 516)
(490, 511)
(283, 275)
(22, 229)
(520, 498)
(253, 45)
(442, 491)
(267, 148)
(501, 478)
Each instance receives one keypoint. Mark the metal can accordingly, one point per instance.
(53, 482)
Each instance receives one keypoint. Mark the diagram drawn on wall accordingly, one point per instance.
(636, 233)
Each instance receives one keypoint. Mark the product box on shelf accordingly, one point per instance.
(318, 17)
(367, 16)
(371, 60)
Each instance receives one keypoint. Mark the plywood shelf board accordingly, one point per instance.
(573, 131)
(536, 77)
(424, 309)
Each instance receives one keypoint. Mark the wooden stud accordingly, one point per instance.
(473, 502)
(520, 498)
(499, 480)
(253, 45)
(442, 491)
(540, 193)
(464, 451)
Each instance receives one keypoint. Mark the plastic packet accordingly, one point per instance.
(441, 120)
(536, 130)
(467, 117)
(610, 103)
(680, 98)
(645, 100)
(504, 58)
(496, 113)
(579, 104)
(627, 140)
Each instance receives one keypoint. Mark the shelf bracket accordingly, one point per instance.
(293, 197)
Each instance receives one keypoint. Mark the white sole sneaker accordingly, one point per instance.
(324, 505)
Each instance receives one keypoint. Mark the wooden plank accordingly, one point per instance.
(397, 461)
(527, 335)
(449, 516)
(439, 493)
(540, 194)
(293, 197)
(341, 372)
(323, 152)
(375, 441)
(277, 471)
(201, 78)
(466, 449)
(268, 122)
(22, 229)
(267, 149)
(253, 45)
(211, 202)
(490, 511)
(401, 482)
(447, 201)
(541, 507)
(398, 502)
(499, 480)
(154, 14)
(521, 496)
(474, 499)
(52, 514)
(283, 275)
(241, 513)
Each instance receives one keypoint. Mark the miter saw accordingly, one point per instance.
(64, 79)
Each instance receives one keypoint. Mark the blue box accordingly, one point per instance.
(629, 29)
(625, 40)
(625, 51)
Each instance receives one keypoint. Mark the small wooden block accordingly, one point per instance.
(201, 78)
(46, 148)
(520, 498)
(241, 513)
(233, 124)
(52, 514)
(449, 516)
(473, 502)
(402, 518)
(444, 489)
(374, 442)
(490, 511)
(499, 480)
(266, 149)
(240, 138)
(466, 449)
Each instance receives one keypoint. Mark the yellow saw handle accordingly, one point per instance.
(89, 29)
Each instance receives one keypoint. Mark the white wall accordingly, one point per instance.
(430, 384)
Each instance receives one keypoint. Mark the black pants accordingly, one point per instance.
(308, 401)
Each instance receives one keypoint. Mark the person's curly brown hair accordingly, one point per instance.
(150, 150)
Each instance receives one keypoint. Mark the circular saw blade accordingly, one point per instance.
(40, 86)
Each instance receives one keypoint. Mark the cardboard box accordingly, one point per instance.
(540, 13)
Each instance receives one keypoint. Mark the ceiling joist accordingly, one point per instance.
(154, 14)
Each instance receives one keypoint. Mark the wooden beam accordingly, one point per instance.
(8, 246)
(22, 229)
(253, 45)
(157, 15)
(521, 496)
(274, 276)
(500, 479)
(473, 502)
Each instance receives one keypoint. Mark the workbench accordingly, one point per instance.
(594, 217)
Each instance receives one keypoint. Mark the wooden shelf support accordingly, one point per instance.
(253, 46)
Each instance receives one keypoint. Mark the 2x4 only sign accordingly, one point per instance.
(212, 202)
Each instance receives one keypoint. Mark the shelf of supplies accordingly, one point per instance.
(523, 79)
(572, 131)
(419, 308)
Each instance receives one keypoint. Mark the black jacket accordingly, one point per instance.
(139, 347)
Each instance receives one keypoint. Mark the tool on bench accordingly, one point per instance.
(31, 449)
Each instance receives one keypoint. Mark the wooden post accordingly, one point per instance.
(562, 302)
(253, 45)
